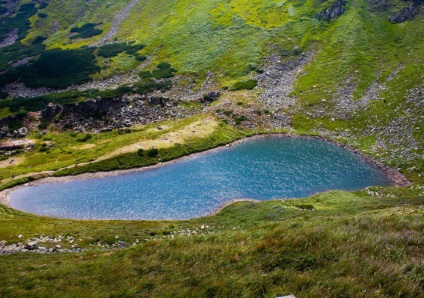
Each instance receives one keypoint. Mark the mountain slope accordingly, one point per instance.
(94, 81)
(359, 76)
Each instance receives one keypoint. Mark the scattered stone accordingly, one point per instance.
(10, 38)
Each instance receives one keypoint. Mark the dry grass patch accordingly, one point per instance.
(13, 161)
(198, 129)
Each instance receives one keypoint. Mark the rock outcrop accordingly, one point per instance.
(334, 11)
(105, 113)
(406, 14)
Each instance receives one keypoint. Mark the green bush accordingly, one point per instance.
(85, 138)
(113, 49)
(163, 70)
(42, 125)
(39, 40)
(144, 88)
(44, 148)
(43, 5)
(140, 58)
(239, 120)
(145, 74)
(86, 31)
(247, 85)
(152, 152)
(140, 152)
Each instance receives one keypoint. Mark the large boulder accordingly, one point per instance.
(22, 132)
(51, 111)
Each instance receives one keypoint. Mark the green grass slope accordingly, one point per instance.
(332, 245)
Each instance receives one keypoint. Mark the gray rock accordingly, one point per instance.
(33, 245)
(405, 14)
(51, 111)
(332, 12)
(22, 132)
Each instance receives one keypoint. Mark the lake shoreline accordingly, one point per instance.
(396, 177)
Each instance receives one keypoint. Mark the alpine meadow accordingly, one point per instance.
(93, 90)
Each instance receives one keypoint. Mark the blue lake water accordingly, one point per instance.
(261, 168)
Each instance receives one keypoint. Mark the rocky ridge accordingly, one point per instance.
(407, 13)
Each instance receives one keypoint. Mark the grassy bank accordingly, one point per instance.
(76, 153)
(332, 244)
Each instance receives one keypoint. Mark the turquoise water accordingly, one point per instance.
(262, 169)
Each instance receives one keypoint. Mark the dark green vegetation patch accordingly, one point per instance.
(19, 21)
(3, 10)
(247, 85)
(14, 53)
(162, 71)
(56, 69)
(86, 31)
(113, 49)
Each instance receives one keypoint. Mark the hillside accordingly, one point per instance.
(84, 84)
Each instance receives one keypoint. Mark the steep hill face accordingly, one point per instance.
(351, 70)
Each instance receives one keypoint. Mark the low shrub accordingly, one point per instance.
(140, 58)
(144, 88)
(85, 31)
(247, 85)
(85, 138)
(145, 74)
(163, 70)
(43, 5)
(240, 119)
(152, 152)
(39, 40)
(113, 49)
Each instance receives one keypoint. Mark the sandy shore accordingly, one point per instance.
(397, 178)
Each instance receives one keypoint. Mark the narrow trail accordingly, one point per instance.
(115, 25)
